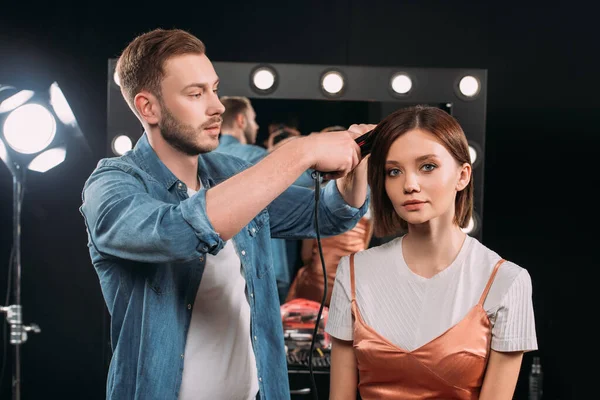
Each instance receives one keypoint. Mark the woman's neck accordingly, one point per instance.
(429, 250)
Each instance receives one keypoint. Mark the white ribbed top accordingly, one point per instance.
(410, 310)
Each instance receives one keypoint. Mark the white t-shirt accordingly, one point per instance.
(410, 310)
(219, 361)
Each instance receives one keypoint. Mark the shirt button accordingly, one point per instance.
(253, 230)
(260, 379)
(201, 258)
(251, 294)
(243, 252)
(182, 356)
(189, 306)
(255, 338)
(179, 185)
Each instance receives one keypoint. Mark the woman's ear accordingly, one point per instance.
(464, 177)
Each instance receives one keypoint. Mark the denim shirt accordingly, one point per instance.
(253, 154)
(228, 144)
(148, 243)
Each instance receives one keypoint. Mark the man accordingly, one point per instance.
(239, 129)
(171, 222)
(238, 135)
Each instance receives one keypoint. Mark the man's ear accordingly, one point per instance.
(464, 178)
(147, 107)
(240, 120)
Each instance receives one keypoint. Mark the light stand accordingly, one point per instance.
(29, 141)
(14, 312)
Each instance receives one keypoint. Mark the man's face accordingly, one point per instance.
(190, 118)
(251, 128)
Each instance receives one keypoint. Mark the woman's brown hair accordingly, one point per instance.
(447, 130)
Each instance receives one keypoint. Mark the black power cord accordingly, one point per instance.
(365, 142)
(317, 176)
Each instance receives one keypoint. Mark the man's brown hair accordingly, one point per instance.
(234, 105)
(141, 65)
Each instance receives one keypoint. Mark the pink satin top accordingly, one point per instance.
(451, 366)
(309, 282)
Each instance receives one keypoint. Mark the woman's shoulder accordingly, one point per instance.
(377, 255)
(486, 256)
(509, 272)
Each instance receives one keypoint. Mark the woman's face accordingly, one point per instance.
(422, 178)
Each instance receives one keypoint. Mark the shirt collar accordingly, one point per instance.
(227, 140)
(149, 161)
(147, 158)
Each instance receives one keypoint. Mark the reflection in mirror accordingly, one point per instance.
(309, 116)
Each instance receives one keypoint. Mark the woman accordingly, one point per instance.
(432, 314)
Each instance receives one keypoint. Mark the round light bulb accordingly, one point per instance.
(470, 226)
(333, 82)
(263, 78)
(469, 86)
(401, 84)
(30, 128)
(472, 154)
(122, 144)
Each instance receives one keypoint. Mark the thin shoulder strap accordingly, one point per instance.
(352, 284)
(490, 281)
(369, 232)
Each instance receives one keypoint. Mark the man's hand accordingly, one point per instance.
(336, 153)
(353, 186)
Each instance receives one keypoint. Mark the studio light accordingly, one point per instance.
(469, 86)
(332, 83)
(401, 83)
(263, 79)
(48, 159)
(121, 145)
(29, 129)
(32, 123)
(11, 98)
(475, 153)
(472, 226)
(472, 154)
(3, 152)
(61, 106)
(35, 128)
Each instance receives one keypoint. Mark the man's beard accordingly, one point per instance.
(182, 136)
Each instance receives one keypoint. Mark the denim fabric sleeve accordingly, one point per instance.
(254, 153)
(306, 179)
(124, 220)
(292, 213)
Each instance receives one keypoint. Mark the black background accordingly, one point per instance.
(540, 154)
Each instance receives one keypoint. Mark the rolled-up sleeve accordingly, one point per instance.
(336, 205)
(123, 220)
(292, 213)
